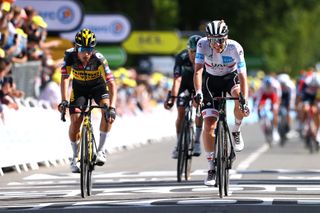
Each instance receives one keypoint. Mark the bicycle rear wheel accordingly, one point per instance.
(220, 158)
(181, 152)
(189, 153)
(84, 161)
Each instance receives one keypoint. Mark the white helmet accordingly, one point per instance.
(283, 78)
(217, 29)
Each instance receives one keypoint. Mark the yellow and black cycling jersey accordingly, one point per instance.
(96, 68)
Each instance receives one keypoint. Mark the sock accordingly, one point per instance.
(198, 134)
(74, 146)
(210, 158)
(178, 136)
(237, 125)
(102, 142)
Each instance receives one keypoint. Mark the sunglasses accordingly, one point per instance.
(216, 40)
(85, 49)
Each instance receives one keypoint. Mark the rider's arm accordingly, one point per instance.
(113, 92)
(177, 76)
(65, 74)
(111, 83)
(176, 86)
(243, 84)
(242, 71)
(64, 87)
(197, 78)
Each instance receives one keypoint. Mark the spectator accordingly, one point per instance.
(51, 91)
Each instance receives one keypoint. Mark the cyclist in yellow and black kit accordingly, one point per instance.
(92, 78)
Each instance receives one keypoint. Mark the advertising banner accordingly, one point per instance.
(116, 56)
(152, 42)
(111, 28)
(60, 15)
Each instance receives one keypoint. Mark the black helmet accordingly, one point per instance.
(192, 42)
(217, 28)
(85, 38)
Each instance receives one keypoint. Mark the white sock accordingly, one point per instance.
(237, 125)
(74, 146)
(102, 142)
(210, 158)
(198, 134)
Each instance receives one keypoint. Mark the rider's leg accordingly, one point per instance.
(180, 117)
(74, 132)
(197, 146)
(105, 127)
(238, 114)
(209, 139)
(199, 124)
(209, 147)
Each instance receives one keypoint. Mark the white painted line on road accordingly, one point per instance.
(193, 202)
(255, 155)
(41, 205)
(72, 193)
(308, 202)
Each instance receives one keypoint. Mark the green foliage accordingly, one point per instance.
(284, 34)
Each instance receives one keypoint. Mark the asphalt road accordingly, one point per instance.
(263, 178)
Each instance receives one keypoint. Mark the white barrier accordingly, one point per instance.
(33, 135)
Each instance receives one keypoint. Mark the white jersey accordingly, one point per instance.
(265, 90)
(229, 60)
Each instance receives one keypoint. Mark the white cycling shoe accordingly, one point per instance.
(75, 165)
(275, 136)
(237, 141)
(101, 158)
(211, 178)
(174, 154)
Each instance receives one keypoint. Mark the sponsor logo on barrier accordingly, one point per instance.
(60, 15)
(108, 28)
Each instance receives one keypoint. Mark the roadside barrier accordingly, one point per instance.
(34, 135)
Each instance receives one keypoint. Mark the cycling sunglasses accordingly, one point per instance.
(85, 49)
(216, 40)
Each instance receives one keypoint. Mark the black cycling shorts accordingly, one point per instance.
(214, 86)
(97, 92)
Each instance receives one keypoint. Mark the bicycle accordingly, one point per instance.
(311, 132)
(225, 154)
(283, 125)
(186, 141)
(88, 146)
(266, 124)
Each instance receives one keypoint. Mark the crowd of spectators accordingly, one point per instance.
(23, 38)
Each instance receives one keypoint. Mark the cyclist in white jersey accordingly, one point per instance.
(225, 72)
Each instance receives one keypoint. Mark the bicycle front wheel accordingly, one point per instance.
(85, 173)
(181, 152)
(90, 162)
(189, 144)
(220, 159)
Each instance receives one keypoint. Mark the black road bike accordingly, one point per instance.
(186, 142)
(225, 154)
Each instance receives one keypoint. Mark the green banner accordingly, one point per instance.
(116, 56)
